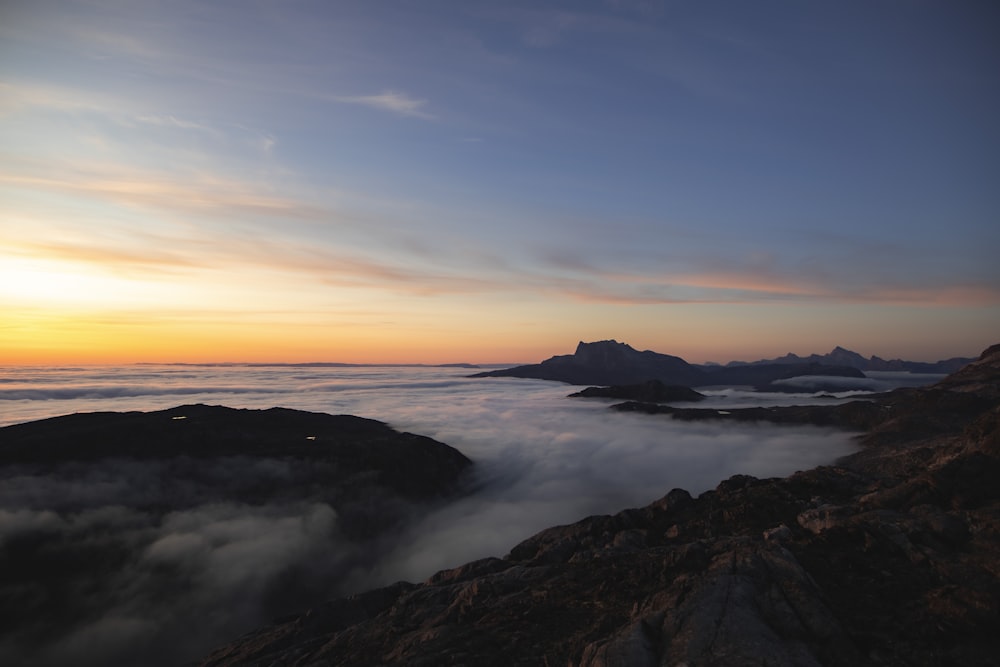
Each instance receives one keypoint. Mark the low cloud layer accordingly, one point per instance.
(117, 563)
(120, 563)
(588, 461)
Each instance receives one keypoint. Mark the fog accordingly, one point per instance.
(124, 562)
(583, 461)
(121, 562)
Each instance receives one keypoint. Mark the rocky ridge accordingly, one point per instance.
(890, 557)
(840, 356)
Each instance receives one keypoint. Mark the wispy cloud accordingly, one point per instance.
(587, 282)
(189, 254)
(389, 100)
(15, 96)
(169, 120)
(329, 247)
(73, 103)
(147, 257)
(193, 192)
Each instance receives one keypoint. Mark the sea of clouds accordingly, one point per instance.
(123, 562)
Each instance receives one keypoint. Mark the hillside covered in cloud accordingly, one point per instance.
(144, 538)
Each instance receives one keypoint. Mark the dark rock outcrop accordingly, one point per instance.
(414, 467)
(888, 558)
(609, 362)
(652, 391)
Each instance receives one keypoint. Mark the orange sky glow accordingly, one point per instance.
(402, 186)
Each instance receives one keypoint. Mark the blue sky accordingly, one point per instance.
(420, 180)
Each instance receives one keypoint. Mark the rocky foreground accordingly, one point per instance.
(891, 557)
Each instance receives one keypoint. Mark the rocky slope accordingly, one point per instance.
(891, 557)
(609, 362)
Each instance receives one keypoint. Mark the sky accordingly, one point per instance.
(438, 182)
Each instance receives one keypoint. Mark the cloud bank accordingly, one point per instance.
(123, 563)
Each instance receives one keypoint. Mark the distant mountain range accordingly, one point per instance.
(609, 362)
(843, 357)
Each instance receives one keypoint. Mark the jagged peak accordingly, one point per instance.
(607, 342)
(843, 351)
(602, 345)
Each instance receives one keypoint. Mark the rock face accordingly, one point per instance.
(892, 557)
(609, 362)
(123, 535)
(651, 391)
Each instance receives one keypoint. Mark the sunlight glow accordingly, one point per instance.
(40, 282)
(174, 188)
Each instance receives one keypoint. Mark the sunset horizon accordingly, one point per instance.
(189, 182)
(475, 357)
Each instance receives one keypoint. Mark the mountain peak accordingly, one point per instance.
(610, 344)
(608, 362)
(605, 353)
